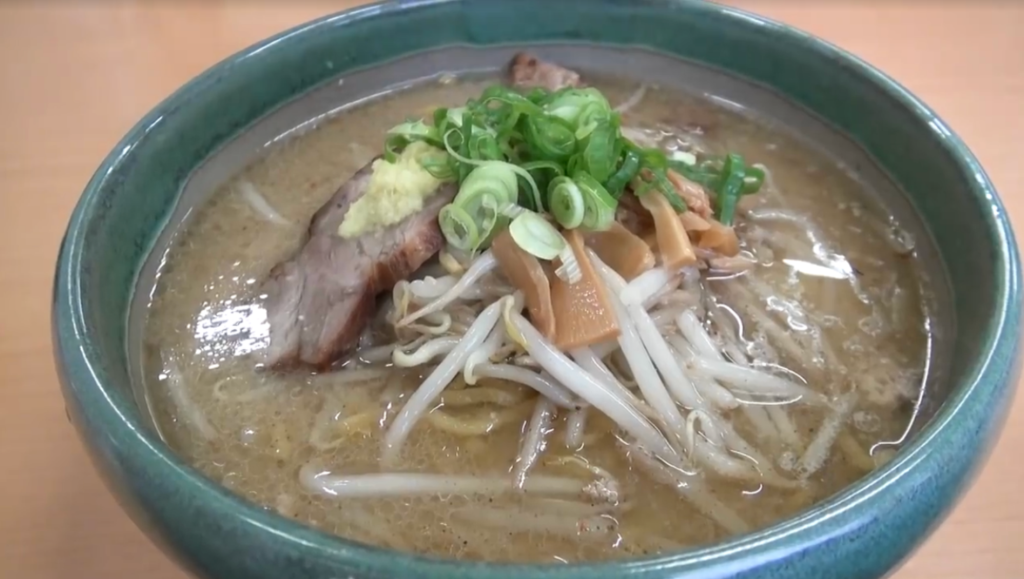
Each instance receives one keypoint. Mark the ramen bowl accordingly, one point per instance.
(863, 532)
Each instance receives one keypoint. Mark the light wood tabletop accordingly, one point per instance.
(77, 75)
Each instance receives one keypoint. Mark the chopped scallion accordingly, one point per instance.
(536, 236)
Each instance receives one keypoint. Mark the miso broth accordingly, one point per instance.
(834, 300)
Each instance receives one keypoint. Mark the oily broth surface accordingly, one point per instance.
(206, 316)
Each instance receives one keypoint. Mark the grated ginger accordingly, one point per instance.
(396, 191)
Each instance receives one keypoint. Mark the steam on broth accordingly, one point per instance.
(723, 377)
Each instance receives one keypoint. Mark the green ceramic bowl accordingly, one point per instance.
(862, 533)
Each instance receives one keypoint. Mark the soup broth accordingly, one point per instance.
(833, 299)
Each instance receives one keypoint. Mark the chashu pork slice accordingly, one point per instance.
(320, 300)
(528, 71)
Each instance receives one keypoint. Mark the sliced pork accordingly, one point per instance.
(632, 215)
(319, 301)
(695, 197)
(528, 71)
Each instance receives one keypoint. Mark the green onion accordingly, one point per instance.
(467, 134)
(496, 179)
(581, 202)
(578, 106)
(573, 164)
(441, 119)
(598, 205)
(483, 195)
(731, 187)
(654, 169)
(399, 136)
(536, 236)
(670, 193)
(537, 95)
(467, 162)
(539, 169)
(542, 165)
(548, 139)
(505, 95)
(627, 171)
(458, 228)
(453, 116)
(707, 173)
(483, 146)
(513, 211)
(726, 181)
(515, 105)
(438, 165)
(560, 154)
(590, 117)
(711, 174)
(599, 153)
(565, 202)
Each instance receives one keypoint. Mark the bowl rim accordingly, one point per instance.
(78, 364)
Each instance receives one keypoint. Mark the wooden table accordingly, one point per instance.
(76, 76)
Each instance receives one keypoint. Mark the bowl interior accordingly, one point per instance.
(348, 90)
(135, 195)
